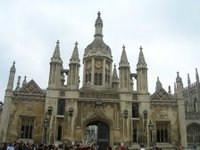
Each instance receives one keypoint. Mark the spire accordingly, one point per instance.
(56, 54)
(115, 76)
(18, 83)
(124, 60)
(98, 25)
(197, 75)
(188, 76)
(11, 77)
(158, 84)
(24, 82)
(141, 60)
(75, 55)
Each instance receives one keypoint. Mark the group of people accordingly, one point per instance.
(41, 146)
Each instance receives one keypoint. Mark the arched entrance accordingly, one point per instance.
(98, 132)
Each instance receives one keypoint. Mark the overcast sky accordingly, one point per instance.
(168, 30)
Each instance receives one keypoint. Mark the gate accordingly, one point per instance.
(103, 134)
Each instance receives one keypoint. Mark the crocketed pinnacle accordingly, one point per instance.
(24, 82)
(158, 84)
(56, 54)
(115, 76)
(75, 55)
(124, 60)
(141, 60)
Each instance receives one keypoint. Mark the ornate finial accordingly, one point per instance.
(99, 14)
(141, 48)
(123, 47)
(58, 42)
(76, 44)
(114, 65)
(141, 60)
(13, 67)
(177, 74)
(24, 81)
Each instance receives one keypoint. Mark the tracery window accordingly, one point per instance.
(61, 107)
(98, 73)
(88, 75)
(107, 75)
(98, 79)
(193, 133)
(135, 110)
(27, 124)
(162, 131)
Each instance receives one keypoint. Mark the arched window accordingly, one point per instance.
(135, 110)
(162, 131)
(61, 107)
(98, 79)
(27, 127)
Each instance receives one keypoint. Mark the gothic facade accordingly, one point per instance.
(107, 101)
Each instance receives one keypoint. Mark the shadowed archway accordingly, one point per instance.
(100, 134)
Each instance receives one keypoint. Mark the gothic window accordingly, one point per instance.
(98, 79)
(98, 73)
(107, 76)
(61, 107)
(193, 133)
(162, 131)
(135, 110)
(27, 124)
(135, 131)
(59, 132)
(88, 76)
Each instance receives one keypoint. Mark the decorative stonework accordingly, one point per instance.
(161, 97)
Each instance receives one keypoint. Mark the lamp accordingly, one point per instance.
(150, 126)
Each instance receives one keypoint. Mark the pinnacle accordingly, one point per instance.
(124, 59)
(158, 84)
(75, 55)
(141, 60)
(115, 76)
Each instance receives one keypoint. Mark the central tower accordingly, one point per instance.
(97, 61)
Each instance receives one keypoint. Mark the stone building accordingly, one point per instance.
(120, 113)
